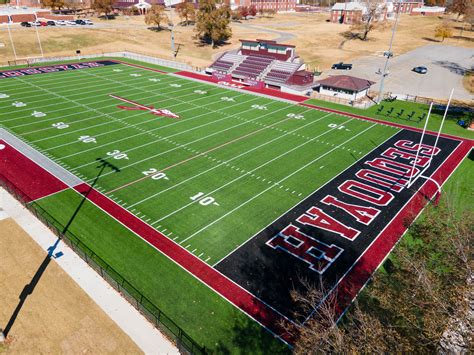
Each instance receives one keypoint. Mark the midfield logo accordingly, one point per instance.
(139, 107)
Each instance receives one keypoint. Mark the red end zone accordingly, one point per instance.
(25, 176)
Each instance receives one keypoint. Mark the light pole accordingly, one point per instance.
(173, 51)
(388, 54)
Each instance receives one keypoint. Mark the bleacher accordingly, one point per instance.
(280, 72)
(226, 62)
(252, 66)
(273, 64)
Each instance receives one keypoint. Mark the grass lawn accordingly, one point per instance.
(450, 126)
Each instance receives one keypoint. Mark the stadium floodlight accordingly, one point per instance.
(11, 40)
(388, 54)
(39, 40)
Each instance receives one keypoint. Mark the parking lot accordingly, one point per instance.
(446, 67)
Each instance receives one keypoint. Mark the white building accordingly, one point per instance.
(345, 87)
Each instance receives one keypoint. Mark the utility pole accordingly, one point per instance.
(389, 53)
(173, 50)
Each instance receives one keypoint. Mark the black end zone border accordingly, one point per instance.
(327, 235)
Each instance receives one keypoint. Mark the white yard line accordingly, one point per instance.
(179, 145)
(81, 93)
(149, 132)
(225, 162)
(147, 338)
(74, 83)
(109, 106)
(273, 185)
(250, 172)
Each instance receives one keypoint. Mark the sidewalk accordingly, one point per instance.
(147, 338)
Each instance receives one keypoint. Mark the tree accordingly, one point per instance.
(375, 9)
(103, 6)
(252, 10)
(212, 22)
(155, 16)
(460, 7)
(53, 4)
(186, 11)
(443, 31)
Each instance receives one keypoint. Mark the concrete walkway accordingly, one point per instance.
(148, 338)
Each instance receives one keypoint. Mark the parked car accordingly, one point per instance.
(43, 23)
(25, 24)
(342, 66)
(420, 70)
(60, 23)
(35, 23)
(71, 23)
(88, 22)
(80, 22)
(51, 23)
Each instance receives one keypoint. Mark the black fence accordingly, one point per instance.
(160, 320)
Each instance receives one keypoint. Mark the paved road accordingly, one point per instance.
(446, 67)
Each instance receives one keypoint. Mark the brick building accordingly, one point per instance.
(347, 12)
(276, 5)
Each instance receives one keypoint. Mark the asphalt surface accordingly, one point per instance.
(446, 68)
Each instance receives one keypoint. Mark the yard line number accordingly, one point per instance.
(295, 116)
(60, 125)
(259, 107)
(88, 139)
(204, 201)
(339, 127)
(117, 154)
(38, 114)
(155, 174)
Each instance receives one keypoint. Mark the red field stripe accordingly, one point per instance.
(358, 276)
(25, 176)
(202, 271)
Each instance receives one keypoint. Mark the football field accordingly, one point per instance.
(210, 179)
(248, 194)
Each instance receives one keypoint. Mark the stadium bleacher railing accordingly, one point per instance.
(184, 343)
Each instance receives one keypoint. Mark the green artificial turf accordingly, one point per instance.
(210, 180)
(450, 127)
(205, 316)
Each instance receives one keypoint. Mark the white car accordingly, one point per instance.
(71, 23)
(60, 23)
(88, 22)
(35, 23)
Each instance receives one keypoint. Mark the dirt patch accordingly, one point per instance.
(468, 82)
(317, 41)
(58, 316)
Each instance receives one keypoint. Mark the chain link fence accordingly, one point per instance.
(160, 320)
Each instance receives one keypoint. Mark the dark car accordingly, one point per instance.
(342, 66)
(80, 22)
(25, 24)
(51, 23)
(420, 70)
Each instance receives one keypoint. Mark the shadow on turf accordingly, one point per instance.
(29, 288)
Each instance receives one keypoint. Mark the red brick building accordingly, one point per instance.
(347, 13)
(276, 5)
